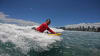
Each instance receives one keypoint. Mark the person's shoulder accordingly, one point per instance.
(44, 23)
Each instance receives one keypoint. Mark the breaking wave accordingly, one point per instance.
(22, 39)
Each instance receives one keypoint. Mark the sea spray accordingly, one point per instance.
(24, 38)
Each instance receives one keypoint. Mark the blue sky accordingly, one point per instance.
(61, 12)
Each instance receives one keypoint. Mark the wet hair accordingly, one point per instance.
(48, 20)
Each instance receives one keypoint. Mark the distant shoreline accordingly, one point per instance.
(90, 27)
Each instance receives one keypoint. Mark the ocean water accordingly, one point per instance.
(78, 43)
(23, 41)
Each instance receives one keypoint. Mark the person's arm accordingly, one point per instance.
(51, 31)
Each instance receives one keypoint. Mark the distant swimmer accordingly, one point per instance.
(44, 26)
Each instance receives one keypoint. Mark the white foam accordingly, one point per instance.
(25, 38)
(4, 55)
(57, 30)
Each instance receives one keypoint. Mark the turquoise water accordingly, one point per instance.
(73, 43)
(81, 43)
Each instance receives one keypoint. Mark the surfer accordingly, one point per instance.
(44, 26)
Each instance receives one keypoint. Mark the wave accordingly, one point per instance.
(24, 38)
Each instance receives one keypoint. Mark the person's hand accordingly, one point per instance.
(55, 33)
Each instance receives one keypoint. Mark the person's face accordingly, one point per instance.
(48, 22)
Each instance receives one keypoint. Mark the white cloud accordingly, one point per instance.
(5, 19)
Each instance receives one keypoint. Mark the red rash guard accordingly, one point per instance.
(44, 27)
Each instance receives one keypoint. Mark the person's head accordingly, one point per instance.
(48, 21)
